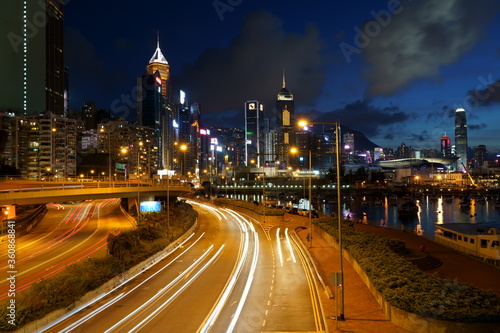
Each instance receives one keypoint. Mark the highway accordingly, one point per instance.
(67, 234)
(232, 274)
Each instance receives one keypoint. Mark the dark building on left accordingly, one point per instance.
(33, 76)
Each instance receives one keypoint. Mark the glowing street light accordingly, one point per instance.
(294, 150)
(304, 123)
(183, 148)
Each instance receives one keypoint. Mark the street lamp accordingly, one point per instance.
(102, 130)
(183, 149)
(337, 159)
(295, 151)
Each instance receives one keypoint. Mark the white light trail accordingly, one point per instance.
(105, 306)
(289, 245)
(278, 244)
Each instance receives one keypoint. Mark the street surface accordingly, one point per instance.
(230, 275)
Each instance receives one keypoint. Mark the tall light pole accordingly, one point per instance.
(102, 130)
(339, 211)
(294, 151)
(183, 149)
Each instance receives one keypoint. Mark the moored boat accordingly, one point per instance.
(481, 241)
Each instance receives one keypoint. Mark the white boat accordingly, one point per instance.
(481, 241)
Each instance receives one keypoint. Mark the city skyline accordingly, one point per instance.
(224, 54)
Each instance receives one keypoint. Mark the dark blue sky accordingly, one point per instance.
(396, 81)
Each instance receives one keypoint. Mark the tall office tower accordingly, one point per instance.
(461, 138)
(445, 146)
(285, 107)
(253, 115)
(480, 156)
(151, 110)
(159, 63)
(195, 137)
(31, 61)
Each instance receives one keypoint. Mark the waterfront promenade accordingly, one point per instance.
(362, 312)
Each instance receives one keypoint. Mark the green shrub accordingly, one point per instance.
(404, 286)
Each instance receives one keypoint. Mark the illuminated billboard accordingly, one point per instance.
(150, 206)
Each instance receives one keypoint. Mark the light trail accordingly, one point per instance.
(120, 296)
(278, 244)
(289, 245)
(181, 289)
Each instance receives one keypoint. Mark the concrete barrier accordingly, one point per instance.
(407, 320)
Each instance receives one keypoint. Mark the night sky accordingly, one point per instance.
(399, 80)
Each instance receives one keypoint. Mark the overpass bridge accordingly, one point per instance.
(18, 193)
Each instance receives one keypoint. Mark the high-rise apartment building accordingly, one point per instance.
(45, 146)
(32, 58)
(480, 156)
(461, 138)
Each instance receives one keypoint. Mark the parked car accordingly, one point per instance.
(293, 210)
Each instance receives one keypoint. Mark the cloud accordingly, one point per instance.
(420, 39)
(250, 67)
(364, 117)
(485, 97)
(477, 126)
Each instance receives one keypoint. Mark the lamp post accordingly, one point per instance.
(183, 149)
(294, 151)
(337, 160)
(102, 130)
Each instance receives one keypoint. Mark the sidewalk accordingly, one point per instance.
(361, 311)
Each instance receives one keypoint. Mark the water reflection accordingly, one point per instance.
(431, 210)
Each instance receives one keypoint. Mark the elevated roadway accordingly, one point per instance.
(20, 194)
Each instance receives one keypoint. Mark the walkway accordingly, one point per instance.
(361, 311)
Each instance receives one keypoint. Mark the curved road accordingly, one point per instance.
(230, 275)
(67, 234)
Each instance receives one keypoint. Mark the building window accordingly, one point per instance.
(484, 243)
(472, 240)
(466, 239)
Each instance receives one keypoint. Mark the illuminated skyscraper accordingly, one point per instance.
(159, 63)
(32, 58)
(285, 107)
(461, 138)
(253, 117)
(153, 104)
(445, 146)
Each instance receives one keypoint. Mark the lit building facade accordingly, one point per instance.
(445, 146)
(153, 105)
(480, 156)
(461, 138)
(32, 62)
(253, 116)
(45, 146)
(285, 107)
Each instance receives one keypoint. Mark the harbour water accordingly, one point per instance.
(431, 210)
